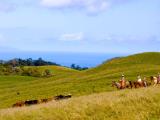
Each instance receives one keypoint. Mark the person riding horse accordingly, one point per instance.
(122, 82)
(139, 80)
(155, 79)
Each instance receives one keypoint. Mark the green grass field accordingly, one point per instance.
(79, 83)
(137, 104)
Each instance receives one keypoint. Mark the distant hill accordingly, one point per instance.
(142, 58)
(134, 62)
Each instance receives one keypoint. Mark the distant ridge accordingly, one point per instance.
(140, 58)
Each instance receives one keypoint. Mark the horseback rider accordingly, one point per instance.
(122, 82)
(139, 79)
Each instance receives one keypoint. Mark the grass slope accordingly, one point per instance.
(94, 80)
(137, 104)
(30, 87)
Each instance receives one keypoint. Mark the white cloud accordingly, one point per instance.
(129, 38)
(91, 6)
(72, 37)
(56, 3)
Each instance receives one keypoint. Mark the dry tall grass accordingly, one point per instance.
(137, 104)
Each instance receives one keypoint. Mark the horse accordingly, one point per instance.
(137, 84)
(19, 104)
(46, 100)
(127, 84)
(61, 97)
(155, 80)
(116, 84)
(31, 102)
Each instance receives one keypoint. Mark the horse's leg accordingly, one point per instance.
(135, 85)
(131, 85)
(142, 85)
(127, 86)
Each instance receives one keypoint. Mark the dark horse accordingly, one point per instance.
(61, 97)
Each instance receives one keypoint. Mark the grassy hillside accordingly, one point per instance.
(30, 87)
(78, 83)
(139, 104)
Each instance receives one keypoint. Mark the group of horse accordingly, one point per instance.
(34, 102)
(137, 84)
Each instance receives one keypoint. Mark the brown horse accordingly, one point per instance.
(127, 84)
(19, 104)
(140, 84)
(155, 80)
(116, 84)
(46, 100)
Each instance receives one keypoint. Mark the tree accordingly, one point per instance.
(39, 62)
(77, 67)
(29, 62)
(73, 66)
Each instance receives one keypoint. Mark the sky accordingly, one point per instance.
(80, 26)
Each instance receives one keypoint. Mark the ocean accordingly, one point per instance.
(64, 59)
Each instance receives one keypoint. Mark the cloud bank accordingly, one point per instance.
(72, 37)
(91, 6)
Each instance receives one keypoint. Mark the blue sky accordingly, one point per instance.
(87, 26)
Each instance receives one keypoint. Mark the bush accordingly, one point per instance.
(47, 73)
(35, 72)
(25, 71)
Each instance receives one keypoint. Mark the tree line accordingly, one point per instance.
(39, 62)
(22, 67)
(27, 62)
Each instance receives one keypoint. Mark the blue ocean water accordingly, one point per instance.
(65, 59)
